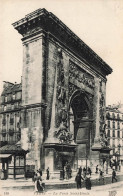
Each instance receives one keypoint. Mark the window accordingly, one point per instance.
(4, 132)
(108, 134)
(118, 133)
(4, 108)
(4, 120)
(13, 96)
(108, 115)
(19, 161)
(113, 115)
(12, 106)
(108, 124)
(11, 132)
(118, 125)
(118, 117)
(113, 124)
(113, 133)
(5, 98)
(11, 120)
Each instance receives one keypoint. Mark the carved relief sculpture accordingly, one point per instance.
(75, 72)
(63, 134)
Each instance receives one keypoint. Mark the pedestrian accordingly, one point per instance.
(35, 181)
(78, 180)
(84, 172)
(97, 169)
(101, 176)
(48, 174)
(114, 176)
(80, 170)
(67, 171)
(40, 172)
(34, 177)
(70, 172)
(89, 171)
(87, 182)
(40, 186)
(38, 175)
(63, 173)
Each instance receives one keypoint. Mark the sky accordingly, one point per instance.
(99, 23)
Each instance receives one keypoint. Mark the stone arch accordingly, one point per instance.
(80, 107)
(79, 118)
(80, 92)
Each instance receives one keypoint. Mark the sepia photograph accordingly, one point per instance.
(61, 97)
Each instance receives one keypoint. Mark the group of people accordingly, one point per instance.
(37, 179)
(67, 171)
(101, 175)
(83, 176)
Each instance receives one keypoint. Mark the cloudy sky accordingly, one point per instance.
(99, 23)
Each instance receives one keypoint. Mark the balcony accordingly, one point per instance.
(10, 101)
(9, 108)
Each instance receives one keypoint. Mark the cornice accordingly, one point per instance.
(11, 111)
(42, 105)
(42, 19)
(81, 62)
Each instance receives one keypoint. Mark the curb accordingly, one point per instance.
(65, 185)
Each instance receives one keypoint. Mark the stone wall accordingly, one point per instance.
(32, 71)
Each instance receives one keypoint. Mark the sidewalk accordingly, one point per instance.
(55, 183)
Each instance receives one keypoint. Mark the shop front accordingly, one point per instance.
(12, 162)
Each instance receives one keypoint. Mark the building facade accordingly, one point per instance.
(11, 154)
(114, 131)
(63, 96)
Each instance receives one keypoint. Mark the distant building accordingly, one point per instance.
(114, 131)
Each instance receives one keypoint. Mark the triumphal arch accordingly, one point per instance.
(63, 96)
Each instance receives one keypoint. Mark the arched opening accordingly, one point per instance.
(79, 123)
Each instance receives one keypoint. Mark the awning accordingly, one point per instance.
(12, 149)
(5, 155)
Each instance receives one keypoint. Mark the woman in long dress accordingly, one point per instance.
(88, 182)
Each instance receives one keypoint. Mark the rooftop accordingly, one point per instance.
(11, 88)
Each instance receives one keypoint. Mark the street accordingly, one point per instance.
(114, 189)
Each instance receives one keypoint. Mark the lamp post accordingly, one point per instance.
(119, 146)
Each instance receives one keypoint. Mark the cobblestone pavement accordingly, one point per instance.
(115, 189)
